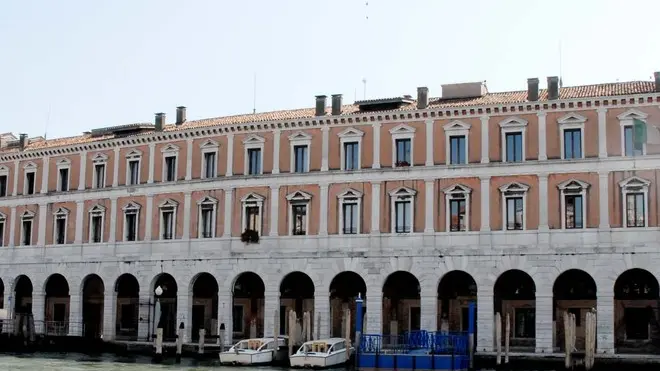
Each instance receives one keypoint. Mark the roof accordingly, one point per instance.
(583, 91)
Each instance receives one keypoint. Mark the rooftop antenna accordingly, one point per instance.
(561, 81)
(254, 94)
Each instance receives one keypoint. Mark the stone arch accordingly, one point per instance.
(297, 290)
(93, 297)
(167, 303)
(127, 289)
(204, 289)
(636, 296)
(455, 290)
(57, 306)
(514, 295)
(345, 287)
(23, 290)
(248, 300)
(401, 302)
(574, 291)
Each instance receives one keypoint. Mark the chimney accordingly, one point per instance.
(22, 141)
(336, 104)
(656, 74)
(160, 121)
(180, 115)
(422, 97)
(553, 87)
(320, 105)
(533, 89)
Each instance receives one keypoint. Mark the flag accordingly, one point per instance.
(639, 134)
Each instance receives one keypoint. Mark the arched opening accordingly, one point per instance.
(2, 294)
(128, 307)
(401, 299)
(248, 306)
(297, 294)
(455, 292)
(344, 289)
(92, 306)
(22, 295)
(165, 305)
(204, 305)
(56, 315)
(515, 296)
(636, 295)
(574, 291)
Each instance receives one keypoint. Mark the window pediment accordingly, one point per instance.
(351, 133)
(132, 206)
(572, 184)
(63, 162)
(456, 125)
(403, 192)
(134, 153)
(170, 148)
(97, 209)
(457, 189)
(3, 217)
(514, 187)
(300, 136)
(253, 197)
(634, 182)
(298, 196)
(30, 166)
(254, 139)
(209, 143)
(572, 118)
(61, 211)
(27, 214)
(100, 157)
(168, 203)
(513, 122)
(350, 193)
(402, 129)
(207, 200)
(632, 114)
(4, 169)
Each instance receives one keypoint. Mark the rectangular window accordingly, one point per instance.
(254, 161)
(629, 142)
(168, 224)
(574, 212)
(514, 213)
(29, 183)
(253, 220)
(96, 224)
(60, 229)
(134, 172)
(525, 323)
(3, 185)
(457, 211)
(635, 208)
(402, 211)
(2, 232)
(209, 164)
(207, 221)
(403, 152)
(637, 322)
(131, 225)
(64, 180)
(514, 148)
(572, 143)
(350, 215)
(170, 168)
(237, 319)
(299, 219)
(457, 148)
(99, 175)
(300, 159)
(27, 232)
(351, 155)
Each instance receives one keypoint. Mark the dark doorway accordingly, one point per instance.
(92, 306)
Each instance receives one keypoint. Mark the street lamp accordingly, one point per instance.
(157, 314)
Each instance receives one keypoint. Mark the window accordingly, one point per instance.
(301, 143)
(573, 201)
(402, 145)
(237, 319)
(525, 323)
(133, 159)
(3, 221)
(209, 159)
(59, 230)
(207, 217)
(349, 211)
(457, 200)
(571, 129)
(514, 197)
(3, 185)
(63, 166)
(168, 219)
(513, 132)
(30, 178)
(170, 161)
(638, 323)
(99, 161)
(254, 147)
(252, 206)
(634, 193)
(403, 210)
(456, 134)
(299, 221)
(131, 220)
(96, 218)
(627, 122)
(26, 228)
(170, 168)
(350, 141)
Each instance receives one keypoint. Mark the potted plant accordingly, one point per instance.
(402, 164)
(250, 236)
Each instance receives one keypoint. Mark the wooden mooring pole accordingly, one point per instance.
(498, 338)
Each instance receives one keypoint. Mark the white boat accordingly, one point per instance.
(261, 351)
(321, 354)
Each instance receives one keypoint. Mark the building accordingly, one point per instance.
(532, 202)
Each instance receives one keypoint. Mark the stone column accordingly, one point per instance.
(484, 140)
(187, 196)
(75, 314)
(604, 200)
(274, 210)
(115, 169)
(230, 154)
(189, 158)
(429, 143)
(228, 203)
(485, 204)
(152, 162)
(17, 173)
(83, 171)
(374, 323)
(544, 326)
(149, 217)
(145, 314)
(544, 229)
(80, 215)
(276, 151)
(225, 305)
(38, 308)
(112, 238)
(41, 234)
(12, 227)
(605, 321)
(543, 153)
(325, 145)
(429, 310)
(429, 211)
(375, 208)
(44, 175)
(323, 225)
(109, 314)
(322, 308)
(183, 309)
(602, 132)
(376, 160)
(485, 319)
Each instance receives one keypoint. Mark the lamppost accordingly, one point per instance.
(157, 311)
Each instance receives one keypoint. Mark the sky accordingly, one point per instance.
(69, 66)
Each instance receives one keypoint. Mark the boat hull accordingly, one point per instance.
(318, 360)
(264, 357)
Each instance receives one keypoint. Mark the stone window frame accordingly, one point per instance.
(350, 135)
(136, 208)
(457, 192)
(167, 205)
(297, 198)
(209, 146)
(99, 159)
(350, 196)
(456, 128)
(252, 199)
(27, 216)
(63, 164)
(403, 131)
(402, 194)
(133, 155)
(170, 150)
(205, 201)
(59, 214)
(626, 120)
(3, 228)
(4, 171)
(573, 187)
(634, 184)
(253, 141)
(513, 125)
(514, 190)
(567, 122)
(300, 138)
(94, 211)
(28, 168)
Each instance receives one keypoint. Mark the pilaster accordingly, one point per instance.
(429, 142)
(75, 314)
(152, 162)
(109, 314)
(604, 200)
(38, 308)
(323, 225)
(485, 204)
(325, 144)
(17, 173)
(544, 323)
(484, 140)
(12, 227)
(189, 158)
(44, 174)
(83, 171)
(429, 194)
(322, 309)
(149, 217)
(41, 234)
(376, 155)
(112, 238)
(375, 207)
(115, 168)
(230, 154)
(80, 214)
(187, 197)
(276, 151)
(429, 311)
(543, 202)
(229, 192)
(374, 323)
(485, 319)
(602, 132)
(146, 315)
(225, 316)
(543, 152)
(605, 322)
(183, 308)
(274, 210)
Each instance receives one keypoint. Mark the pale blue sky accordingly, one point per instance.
(104, 63)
